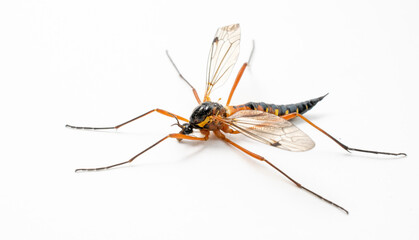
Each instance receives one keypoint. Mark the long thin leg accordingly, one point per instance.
(173, 135)
(239, 75)
(293, 115)
(164, 112)
(254, 155)
(181, 76)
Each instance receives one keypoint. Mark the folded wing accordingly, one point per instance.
(270, 129)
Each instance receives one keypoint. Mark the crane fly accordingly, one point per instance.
(263, 122)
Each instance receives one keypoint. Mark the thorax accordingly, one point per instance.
(206, 115)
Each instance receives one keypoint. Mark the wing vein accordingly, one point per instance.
(269, 129)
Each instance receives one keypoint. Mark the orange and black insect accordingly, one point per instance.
(266, 123)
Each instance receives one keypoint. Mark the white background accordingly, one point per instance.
(99, 63)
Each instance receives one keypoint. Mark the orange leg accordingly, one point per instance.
(293, 115)
(187, 137)
(173, 135)
(236, 82)
(164, 112)
(258, 157)
(289, 116)
(227, 129)
(239, 76)
(184, 79)
(205, 132)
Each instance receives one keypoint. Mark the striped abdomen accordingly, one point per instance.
(278, 110)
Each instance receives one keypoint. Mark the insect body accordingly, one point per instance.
(266, 123)
(212, 116)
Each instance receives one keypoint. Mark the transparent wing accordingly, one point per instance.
(222, 57)
(270, 129)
